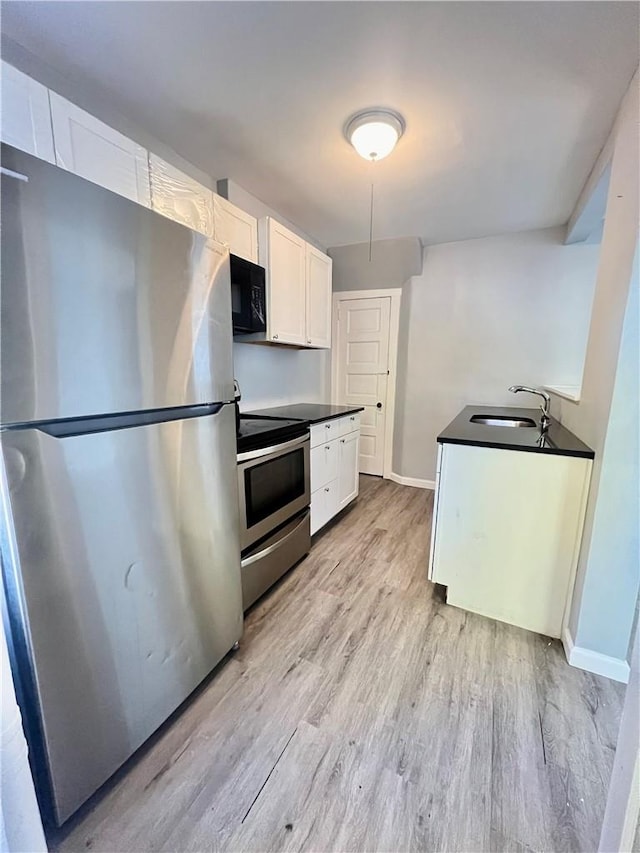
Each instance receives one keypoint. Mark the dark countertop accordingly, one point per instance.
(312, 412)
(556, 441)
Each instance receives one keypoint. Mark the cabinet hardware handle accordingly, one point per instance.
(342, 440)
(308, 340)
(352, 418)
(275, 337)
(326, 489)
(326, 447)
(327, 426)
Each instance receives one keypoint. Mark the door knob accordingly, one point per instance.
(378, 405)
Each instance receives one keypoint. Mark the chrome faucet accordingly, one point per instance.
(545, 420)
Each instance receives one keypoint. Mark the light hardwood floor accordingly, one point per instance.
(364, 714)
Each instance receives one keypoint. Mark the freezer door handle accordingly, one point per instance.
(125, 420)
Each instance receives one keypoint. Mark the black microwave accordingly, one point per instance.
(248, 297)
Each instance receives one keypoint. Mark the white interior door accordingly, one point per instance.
(362, 371)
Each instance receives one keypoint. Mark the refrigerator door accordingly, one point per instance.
(106, 306)
(122, 576)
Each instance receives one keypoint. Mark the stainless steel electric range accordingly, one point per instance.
(274, 489)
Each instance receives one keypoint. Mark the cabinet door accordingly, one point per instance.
(348, 469)
(26, 116)
(324, 464)
(235, 228)
(179, 197)
(324, 505)
(508, 531)
(286, 286)
(89, 148)
(318, 278)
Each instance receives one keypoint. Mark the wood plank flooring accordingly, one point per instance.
(362, 713)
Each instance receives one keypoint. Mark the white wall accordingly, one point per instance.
(607, 588)
(256, 207)
(483, 315)
(273, 376)
(606, 417)
(268, 376)
(392, 263)
(87, 95)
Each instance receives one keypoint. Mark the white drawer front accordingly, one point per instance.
(349, 423)
(324, 505)
(324, 432)
(324, 464)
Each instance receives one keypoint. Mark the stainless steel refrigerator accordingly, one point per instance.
(119, 528)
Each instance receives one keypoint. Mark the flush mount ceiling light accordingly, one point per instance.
(374, 133)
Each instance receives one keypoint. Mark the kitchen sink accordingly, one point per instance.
(502, 420)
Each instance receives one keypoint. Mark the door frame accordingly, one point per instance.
(395, 295)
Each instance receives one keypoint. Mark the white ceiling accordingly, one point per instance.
(507, 104)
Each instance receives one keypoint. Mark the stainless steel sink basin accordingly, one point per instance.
(502, 420)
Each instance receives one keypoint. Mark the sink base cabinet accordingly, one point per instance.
(506, 532)
(334, 468)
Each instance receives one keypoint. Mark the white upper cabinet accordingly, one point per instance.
(299, 287)
(178, 196)
(235, 228)
(283, 255)
(89, 148)
(318, 303)
(26, 116)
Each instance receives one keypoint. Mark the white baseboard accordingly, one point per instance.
(412, 481)
(594, 662)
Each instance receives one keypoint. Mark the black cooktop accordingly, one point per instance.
(255, 433)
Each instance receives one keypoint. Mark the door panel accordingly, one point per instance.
(180, 197)
(362, 376)
(318, 278)
(348, 469)
(26, 115)
(106, 306)
(235, 228)
(128, 567)
(286, 272)
(89, 148)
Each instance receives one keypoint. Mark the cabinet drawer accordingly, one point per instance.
(324, 505)
(324, 464)
(324, 432)
(350, 423)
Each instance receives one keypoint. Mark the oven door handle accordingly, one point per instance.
(267, 451)
(271, 548)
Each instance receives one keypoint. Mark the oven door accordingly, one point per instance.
(274, 485)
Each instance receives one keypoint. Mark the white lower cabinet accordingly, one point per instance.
(507, 531)
(324, 505)
(348, 469)
(334, 467)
